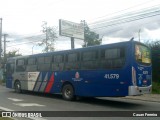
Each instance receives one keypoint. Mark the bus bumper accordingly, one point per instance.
(135, 90)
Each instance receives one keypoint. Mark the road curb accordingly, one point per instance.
(145, 97)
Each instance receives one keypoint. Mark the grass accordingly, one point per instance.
(2, 82)
(156, 88)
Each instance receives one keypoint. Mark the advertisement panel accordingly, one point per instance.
(71, 29)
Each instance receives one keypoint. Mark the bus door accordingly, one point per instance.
(9, 74)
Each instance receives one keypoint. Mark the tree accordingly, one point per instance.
(155, 48)
(90, 38)
(13, 53)
(153, 44)
(51, 36)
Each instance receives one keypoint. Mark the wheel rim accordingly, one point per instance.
(68, 93)
(17, 87)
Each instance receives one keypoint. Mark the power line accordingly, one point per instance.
(23, 43)
(24, 38)
(27, 42)
(126, 9)
(27, 36)
(126, 15)
(129, 19)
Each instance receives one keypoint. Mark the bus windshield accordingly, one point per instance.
(142, 54)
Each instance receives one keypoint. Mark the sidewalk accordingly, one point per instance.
(146, 97)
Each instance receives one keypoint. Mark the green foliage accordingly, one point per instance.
(51, 36)
(156, 64)
(2, 81)
(155, 48)
(13, 53)
(153, 44)
(90, 38)
(156, 88)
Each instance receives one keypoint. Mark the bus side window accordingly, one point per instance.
(72, 61)
(20, 65)
(44, 63)
(112, 58)
(120, 61)
(31, 65)
(90, 60)
(58, 62)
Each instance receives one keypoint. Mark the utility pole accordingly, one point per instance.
(32, 48)
(84, 24)
(5, 35)
(72, 42)
(0, 42)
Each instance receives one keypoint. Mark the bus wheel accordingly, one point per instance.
(17, 87)
(68, 92)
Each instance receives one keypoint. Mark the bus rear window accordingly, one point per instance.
(142, 54)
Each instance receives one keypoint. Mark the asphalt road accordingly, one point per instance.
(11, 101)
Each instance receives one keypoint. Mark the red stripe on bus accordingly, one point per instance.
(50, 84)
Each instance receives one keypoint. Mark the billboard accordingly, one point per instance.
(71, 29)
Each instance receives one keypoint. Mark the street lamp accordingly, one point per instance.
(139, 32)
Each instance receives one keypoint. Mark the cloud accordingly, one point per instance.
(129, 25)
(128, 29)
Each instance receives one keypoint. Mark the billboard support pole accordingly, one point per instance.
(72, 42)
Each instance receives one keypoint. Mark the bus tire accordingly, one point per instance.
(17, 87)
(68, 92)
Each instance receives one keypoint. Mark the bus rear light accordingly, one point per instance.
(136, 87)
(134, 81)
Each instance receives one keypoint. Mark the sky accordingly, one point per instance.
(114, 20)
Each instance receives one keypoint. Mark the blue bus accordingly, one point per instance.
(119, 69)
